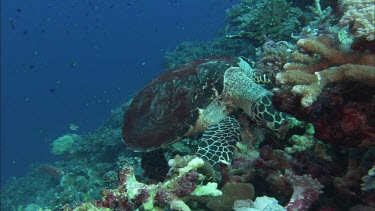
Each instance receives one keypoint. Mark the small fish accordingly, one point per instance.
(73, 126)
(32, 66)
(73, 63)
(12, 23)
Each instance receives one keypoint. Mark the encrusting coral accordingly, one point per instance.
(184, 181)
(306, 190)
(359, 16)
(333, 66)
(64, 144)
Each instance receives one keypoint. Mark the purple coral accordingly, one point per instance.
(306, 190)
(186, 184)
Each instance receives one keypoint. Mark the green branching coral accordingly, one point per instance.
(275, 19)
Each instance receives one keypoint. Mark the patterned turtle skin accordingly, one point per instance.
(199, 97)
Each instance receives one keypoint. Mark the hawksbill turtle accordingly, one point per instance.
(197, 97)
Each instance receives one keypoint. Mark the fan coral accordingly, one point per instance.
(359, 15)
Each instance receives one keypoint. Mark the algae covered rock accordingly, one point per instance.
(64, 144)
(231, 193)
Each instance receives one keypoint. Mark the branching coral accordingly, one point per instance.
(359, 15)
(331, 66)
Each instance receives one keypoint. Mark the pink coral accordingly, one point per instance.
(359, 14)
(306, 190)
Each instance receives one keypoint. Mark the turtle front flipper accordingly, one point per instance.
(279, 123)
(255, 101)
(263, 113)
(218, 141)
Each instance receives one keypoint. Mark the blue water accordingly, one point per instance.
(73, 61)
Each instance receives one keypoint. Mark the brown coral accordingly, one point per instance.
(359, 15)
(231, 193)
(328, 56)
(330, 66)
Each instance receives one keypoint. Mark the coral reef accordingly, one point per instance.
(260, 204)
(88, 167)
(333, 66)
(306, 190)
(189, 51)
(132, 194)
(359, 16)
(63, 145)
(155, 165)
(231, 193)
(326, 79)
(272, 57)
(345, 108)
(256, 20)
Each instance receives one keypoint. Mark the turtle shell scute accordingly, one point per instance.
(164, 110)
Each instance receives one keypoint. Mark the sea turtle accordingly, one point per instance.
(197, 97)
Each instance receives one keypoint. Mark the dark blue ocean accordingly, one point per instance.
(71, 62)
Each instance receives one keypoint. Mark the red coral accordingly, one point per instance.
(163, 197)
(347, 126)
(116, 199)
(342, 115)
(113, 201)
